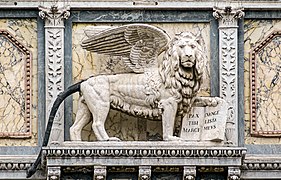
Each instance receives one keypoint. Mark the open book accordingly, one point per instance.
(205, 123)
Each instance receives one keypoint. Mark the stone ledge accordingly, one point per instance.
(261, 166)
(141, 153)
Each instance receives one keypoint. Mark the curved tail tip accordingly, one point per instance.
(30, 171)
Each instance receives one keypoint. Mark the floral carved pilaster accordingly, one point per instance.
(54, 173)
(189, 172)
(234, 173)
(99, 172)
(144, 172)
(228, 63)
(54, 58)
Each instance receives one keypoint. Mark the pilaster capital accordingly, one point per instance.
(228, 16)
(54, 15)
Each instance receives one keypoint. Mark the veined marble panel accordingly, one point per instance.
(18, 82)
(262, 81)
(86, 64)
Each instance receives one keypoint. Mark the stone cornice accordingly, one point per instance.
(114, 153)
(177, 5)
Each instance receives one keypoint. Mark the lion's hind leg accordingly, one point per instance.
(96, 92)
(83, 117)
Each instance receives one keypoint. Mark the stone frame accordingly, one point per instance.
(140, 16)
(27, 84)
(256, 15)
(253, 81)
(31, 150)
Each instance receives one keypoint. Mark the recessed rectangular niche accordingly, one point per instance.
(265, 83)
(15, 87)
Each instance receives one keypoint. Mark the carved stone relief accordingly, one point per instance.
(228, 56)
(18, 81)
(258, 41)
(144, 172)
(54, 173)
(165, 88)
(85, 64)
(54, 48)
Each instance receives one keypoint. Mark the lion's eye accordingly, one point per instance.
(181, 45)
(192, 46)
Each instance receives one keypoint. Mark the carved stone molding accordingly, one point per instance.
(15, 165)
(228, 56)
(54, 16)
(54, 58)
(234, 173)
(99, 172)
(189, 172)
(263, 59)
(262, 166)
(54, 173)
(7, 89)
(144, 172)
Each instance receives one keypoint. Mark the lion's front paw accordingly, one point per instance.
(172, 138)
(113, 139)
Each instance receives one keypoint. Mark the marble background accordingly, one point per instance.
(12, 85)
(268, 86)
(86, 64)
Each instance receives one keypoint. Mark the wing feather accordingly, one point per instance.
(138, 44)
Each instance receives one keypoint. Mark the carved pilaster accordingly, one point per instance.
(144, 172)
(189, 172)
(234, 173)
(54, 173)
(228, 62)
(54, 59)
(100, 173)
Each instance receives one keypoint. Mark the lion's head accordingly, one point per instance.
(182, 68)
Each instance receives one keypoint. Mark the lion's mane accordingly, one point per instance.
(184, 83)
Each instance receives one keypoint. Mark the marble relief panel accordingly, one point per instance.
(18, 82)
(85, 64)
(262, 66)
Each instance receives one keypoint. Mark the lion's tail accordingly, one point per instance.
(70, 90)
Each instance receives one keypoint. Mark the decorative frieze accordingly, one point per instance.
(15, 87)
(54, 58)
(228, 62)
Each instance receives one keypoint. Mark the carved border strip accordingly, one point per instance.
(253, 81)
(14, 166)
(261, 166)
(87, 152)
(28, 79)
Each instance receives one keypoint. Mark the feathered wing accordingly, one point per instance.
(138, 44)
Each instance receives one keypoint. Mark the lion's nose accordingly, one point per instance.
(188, 55)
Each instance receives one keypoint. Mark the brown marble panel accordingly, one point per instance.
(18, 82)
(262, 85)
